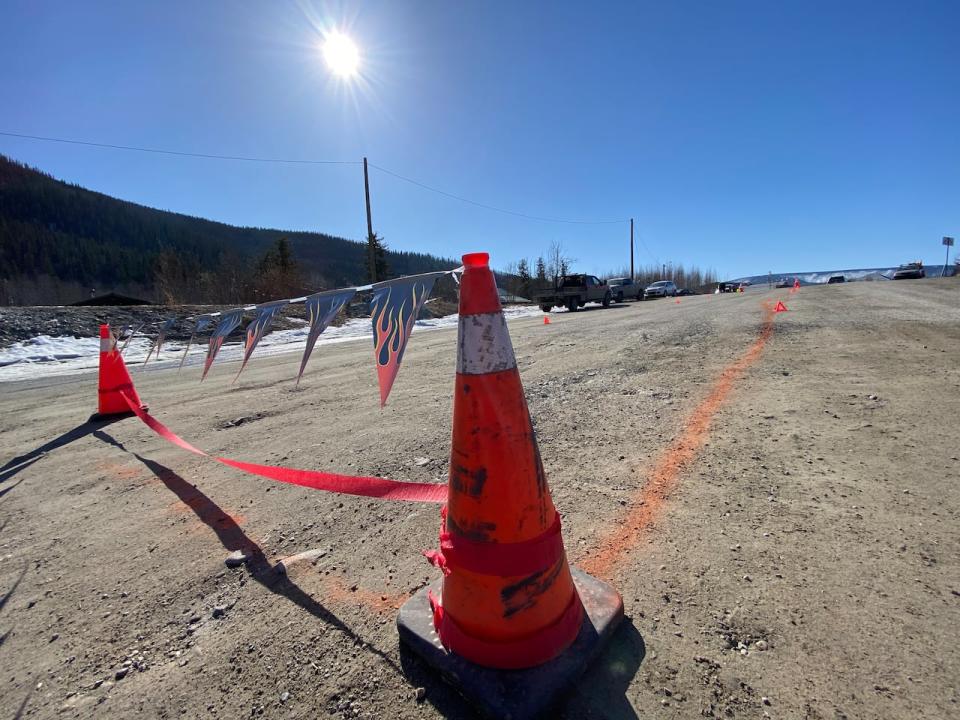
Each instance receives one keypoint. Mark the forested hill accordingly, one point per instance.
(58, 241)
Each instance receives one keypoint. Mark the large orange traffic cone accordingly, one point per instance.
(508, 598)
(114, 380)
(546, 320)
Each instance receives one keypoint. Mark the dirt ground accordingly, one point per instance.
(779, 508)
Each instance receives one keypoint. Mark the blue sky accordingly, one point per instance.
(743, 136)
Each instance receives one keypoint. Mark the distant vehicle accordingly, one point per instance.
(910, 271)
(726, 287)
(661, 288)
(684, 292)
(834, 279)
(784, 283)
(625, 289)
(573, 292)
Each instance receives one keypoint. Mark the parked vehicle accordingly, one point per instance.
(661, 288)
(685, 291)
(625, 289)
(910, 271)
(784, 282)
(573, 292)
(834, 279)
(726, 287)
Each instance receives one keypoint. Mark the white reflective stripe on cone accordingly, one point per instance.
(106, 344)
(483, 345)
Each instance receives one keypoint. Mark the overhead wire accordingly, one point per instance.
(493, 207)
(241, 158)
(159, 151)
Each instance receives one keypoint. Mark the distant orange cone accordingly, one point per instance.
(677, 301)
(780, 307)
(546, 320)
(113, 380)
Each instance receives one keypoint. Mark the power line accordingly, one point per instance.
(211, 156)
(180, 153)
(640, 238)
(491, 207)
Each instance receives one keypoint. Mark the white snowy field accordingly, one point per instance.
(45, 356)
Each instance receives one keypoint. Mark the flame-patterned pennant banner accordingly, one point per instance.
(228, 323)
(259, 327)
(394, 310)
(161, 336)
(203, 322)
(322, 308)
(131, 332)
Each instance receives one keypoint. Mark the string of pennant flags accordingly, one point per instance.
(394, 307)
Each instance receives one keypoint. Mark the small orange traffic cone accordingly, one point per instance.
(511, 622)
(113, 380)
(780, 307)
(546, 320)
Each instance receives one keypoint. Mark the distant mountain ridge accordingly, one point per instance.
(60, 240)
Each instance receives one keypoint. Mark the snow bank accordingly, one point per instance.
(45, 356)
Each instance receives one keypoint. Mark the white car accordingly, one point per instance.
(661, 288)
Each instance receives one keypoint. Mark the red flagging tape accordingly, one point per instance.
(501, 559)
(330, 482)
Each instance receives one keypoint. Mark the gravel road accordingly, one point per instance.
(780, 515)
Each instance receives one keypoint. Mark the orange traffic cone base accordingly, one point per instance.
(516, 694)
(99, 417)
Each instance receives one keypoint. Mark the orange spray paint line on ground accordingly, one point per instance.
(337, 592)
(647, 505)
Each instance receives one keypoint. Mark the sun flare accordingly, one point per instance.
(341, 55)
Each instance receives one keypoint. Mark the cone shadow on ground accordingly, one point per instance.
(600, 692)
(5, 490)
(7, 595)
(23, 705)
(232, 537)
(22, 462)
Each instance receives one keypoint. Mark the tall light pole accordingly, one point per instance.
(632, 274)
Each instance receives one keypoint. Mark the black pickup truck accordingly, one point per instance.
(573, 292)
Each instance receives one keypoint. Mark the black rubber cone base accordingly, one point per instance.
(515, 694)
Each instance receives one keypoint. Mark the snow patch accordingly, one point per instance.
(46, 356)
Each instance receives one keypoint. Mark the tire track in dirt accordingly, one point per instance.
(648, 503)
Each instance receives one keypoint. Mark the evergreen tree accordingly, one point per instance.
(278, 274)
(376, 259)
(541, 270)
(523, 277)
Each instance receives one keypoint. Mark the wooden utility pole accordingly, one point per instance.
(371, 250)
(632, 275)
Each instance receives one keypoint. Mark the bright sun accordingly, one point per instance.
(341, 55)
